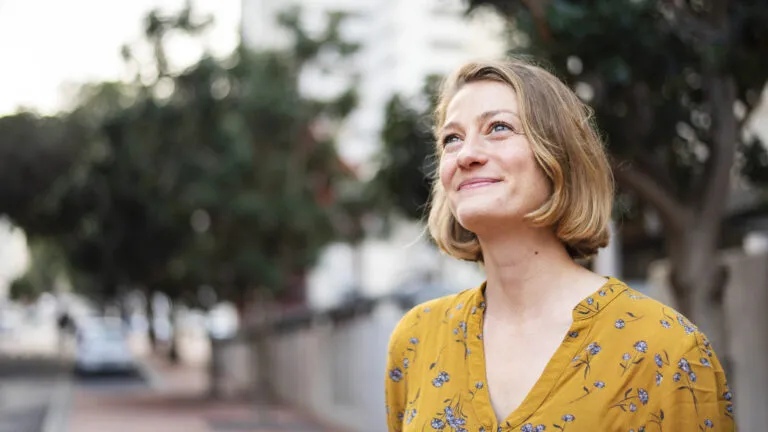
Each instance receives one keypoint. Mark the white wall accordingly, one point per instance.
(336, 372)
(13, 255)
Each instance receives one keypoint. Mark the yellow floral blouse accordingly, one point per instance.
(628, 363)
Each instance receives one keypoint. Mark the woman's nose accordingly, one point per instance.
(471, 153)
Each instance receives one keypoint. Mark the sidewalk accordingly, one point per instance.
(176, 403)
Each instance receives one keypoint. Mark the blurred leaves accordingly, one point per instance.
(222, 174)
(646, 66)
(403, 182)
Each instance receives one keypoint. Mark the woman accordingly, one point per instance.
(525, 188)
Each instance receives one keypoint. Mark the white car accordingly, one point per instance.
(102, 346)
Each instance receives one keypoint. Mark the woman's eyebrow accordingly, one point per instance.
(481, 118)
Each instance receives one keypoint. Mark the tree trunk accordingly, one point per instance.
(698, 279)
(151, 334)
(173, 350)
(265, 389)
(261, 335)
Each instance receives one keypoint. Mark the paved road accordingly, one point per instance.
(30, 390)
(26, 386)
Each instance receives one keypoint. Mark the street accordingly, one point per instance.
(27, 392)
(39, 392)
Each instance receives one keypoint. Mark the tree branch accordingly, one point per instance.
(671, 212)
(538, 11)
(725, 136)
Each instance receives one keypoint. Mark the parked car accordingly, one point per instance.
(102, 346)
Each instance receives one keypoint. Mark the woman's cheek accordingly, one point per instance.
(446, 170)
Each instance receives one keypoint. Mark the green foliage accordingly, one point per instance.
(407, 167)
(649, 66)
(216, 175)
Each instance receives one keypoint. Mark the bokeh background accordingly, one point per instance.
(239, 188)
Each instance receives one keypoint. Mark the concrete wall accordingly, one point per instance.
(746, 309)
(335, 370)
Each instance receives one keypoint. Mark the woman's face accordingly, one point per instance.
(487, 166)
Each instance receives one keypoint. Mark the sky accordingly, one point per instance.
(48, 45)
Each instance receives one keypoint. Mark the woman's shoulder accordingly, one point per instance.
(431, 314)
(659, 324)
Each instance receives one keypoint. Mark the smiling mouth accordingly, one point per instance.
(477, 184)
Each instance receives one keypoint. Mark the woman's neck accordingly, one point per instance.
(530, 276)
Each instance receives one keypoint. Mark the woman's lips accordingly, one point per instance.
(476, 183)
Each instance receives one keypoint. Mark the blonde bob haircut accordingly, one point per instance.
(561, 132)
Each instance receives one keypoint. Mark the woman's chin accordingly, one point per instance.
(479, 219)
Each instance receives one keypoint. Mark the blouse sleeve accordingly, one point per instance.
(395, 385)
(695, 394)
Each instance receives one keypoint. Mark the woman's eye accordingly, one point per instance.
(500, 127)
(449, 139)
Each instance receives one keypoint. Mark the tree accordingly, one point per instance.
(403, 182)
(221, 174)
(672, 84)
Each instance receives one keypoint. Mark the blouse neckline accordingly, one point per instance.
(573, 341)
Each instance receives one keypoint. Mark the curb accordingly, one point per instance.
(150, 375)
(57, 415)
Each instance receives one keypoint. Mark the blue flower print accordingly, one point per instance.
(567, 418)
(456, 422)
(708, 423)
(619, 324)
(526, 428)
(411, 416)
(705, 362)
(659, 378)
(684, 365)
(438, 424)
(641, 346)
(601, 293)
(692, 376)
(479, 385)
(642, 394)
(657, 358)
(414, 341)
(665, 324)
(590, 301)
(728, 396)
(628, 361)
(676, 377)
(593, 348)
(540, 428)
(441, 379)
(599, 384)
(396, 374)
(628, 404)
(406, 362)
(573, 334)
